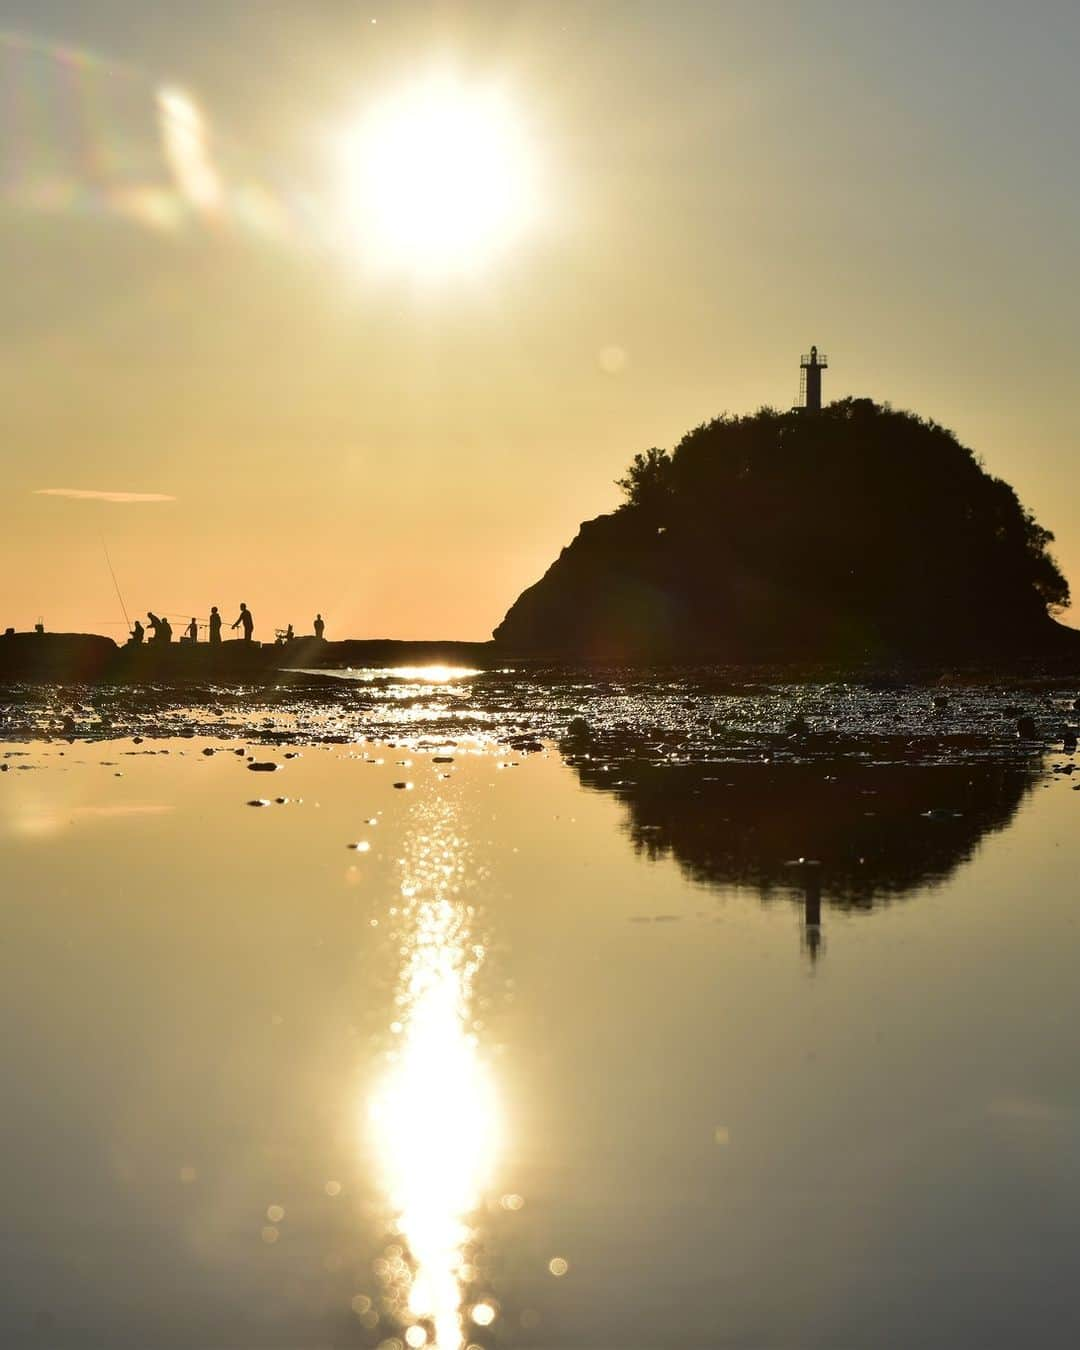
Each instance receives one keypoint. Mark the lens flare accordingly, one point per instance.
(437, 178)
(435, 1119)
(84, 136)
(184, 139)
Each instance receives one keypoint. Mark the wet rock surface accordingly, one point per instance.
(691, 715)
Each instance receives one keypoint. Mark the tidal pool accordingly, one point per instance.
(465, 1046)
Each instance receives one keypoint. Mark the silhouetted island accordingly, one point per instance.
(849, 533)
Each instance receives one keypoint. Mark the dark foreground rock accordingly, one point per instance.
(83, 658)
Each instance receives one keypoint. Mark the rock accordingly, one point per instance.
(579, 730)
(1025, 728)
(263, 766)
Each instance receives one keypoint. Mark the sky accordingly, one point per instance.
(287, 404)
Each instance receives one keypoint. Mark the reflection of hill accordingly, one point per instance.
(875, 830)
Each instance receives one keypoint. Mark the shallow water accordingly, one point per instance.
(582, 1049)
(666, 713)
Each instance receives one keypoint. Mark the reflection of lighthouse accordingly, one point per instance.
(812, 913)
(810, 380)
(808, 871)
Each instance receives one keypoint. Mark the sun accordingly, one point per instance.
(439, 177)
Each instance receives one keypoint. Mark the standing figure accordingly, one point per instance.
(320, 627)
(156, 626)
(244, 617)
(138, 633)
(166, 630)
(215, 627)
(289, 634)
(193, 630)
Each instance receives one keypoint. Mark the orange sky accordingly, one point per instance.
(719, 187)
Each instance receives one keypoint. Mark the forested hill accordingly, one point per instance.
(854, 533)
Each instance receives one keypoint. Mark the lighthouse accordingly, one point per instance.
(811, 367)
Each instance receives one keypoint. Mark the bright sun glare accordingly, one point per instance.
(438, 177)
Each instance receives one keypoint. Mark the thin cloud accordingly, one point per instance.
(95, 495)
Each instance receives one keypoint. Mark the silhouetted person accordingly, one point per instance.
(215, 626)
(159, 627)
(193, 631)
(289, 634)
(244, 618)
(320, 627)
(137, 633)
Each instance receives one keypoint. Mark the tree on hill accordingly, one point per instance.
(857, 530)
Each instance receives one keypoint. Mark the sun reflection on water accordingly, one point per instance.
(435, 1117)
(423, 675)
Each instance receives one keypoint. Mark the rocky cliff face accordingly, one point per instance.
(856, 534)
(606, 597)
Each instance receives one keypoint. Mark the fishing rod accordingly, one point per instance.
(176, 609)
(123, 607)
(185, 609)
